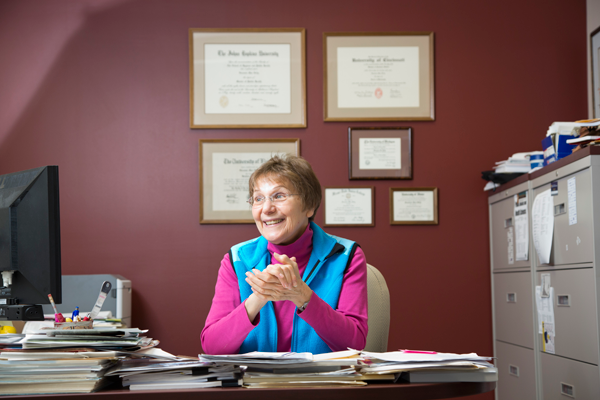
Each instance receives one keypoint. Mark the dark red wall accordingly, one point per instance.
(101, 89)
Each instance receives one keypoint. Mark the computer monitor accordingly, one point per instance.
(29, 243)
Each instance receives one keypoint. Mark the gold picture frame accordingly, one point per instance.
(380, 153)
(378, 76)
(247, 78)
(414, 206)
(348, 206)
(225, 165)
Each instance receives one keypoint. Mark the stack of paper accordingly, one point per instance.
(66, 361)
(588, 133)
(299, 369)
(418, 366)
(174, 373)
(103, 338)
(518, 162)
(46, 372)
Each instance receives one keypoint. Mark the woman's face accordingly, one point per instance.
(280, 223)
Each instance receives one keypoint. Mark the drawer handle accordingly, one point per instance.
(563, 300)
(511, 297)
(559, 209)
(513, 370)
(508, 223)
(567, 390)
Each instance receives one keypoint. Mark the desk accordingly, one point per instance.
(405, 391)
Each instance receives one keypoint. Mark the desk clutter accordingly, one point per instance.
(561, 140)
(88, 360)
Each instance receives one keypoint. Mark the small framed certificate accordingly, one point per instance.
(349, 206)
(414, 206)
(378, 76)
(247, 78)
(225, 168)
(379, 153)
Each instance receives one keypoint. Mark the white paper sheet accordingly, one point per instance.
(542, 224)
(402, 357)
(572, 198)
(413, 206)
(247, 78)
(348, 206)
(549, 338)
(379, 153)
(545, 308)
(521, 227)
(378, 77)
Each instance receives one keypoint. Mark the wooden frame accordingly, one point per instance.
(595, 59)
(368, 148)
(221, 200)
(421, 216)
(378, 76)
(354, 204)
(247, 78)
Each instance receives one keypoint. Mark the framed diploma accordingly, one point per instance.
(349, 206)
(595, 58)
(225, 167)
(413, 206)
(378, 76)
(247, 78)
(380, 153)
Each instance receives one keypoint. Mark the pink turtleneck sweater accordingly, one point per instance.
(227, 324)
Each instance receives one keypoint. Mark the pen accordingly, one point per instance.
(419, 351)
(58, 317)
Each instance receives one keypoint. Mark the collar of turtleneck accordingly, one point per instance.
(301, 248)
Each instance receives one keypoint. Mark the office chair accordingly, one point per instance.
(379, 311)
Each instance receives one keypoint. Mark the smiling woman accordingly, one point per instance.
(295, 287)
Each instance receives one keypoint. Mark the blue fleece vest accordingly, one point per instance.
(324, 274)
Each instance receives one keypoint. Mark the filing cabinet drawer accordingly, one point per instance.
(503, 235)
(572, 243)
(516, 372)
(575, 313)
(567, 379)
(513, 302)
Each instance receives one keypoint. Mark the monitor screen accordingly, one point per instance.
(30, 236)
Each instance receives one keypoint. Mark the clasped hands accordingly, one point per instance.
(279, 282)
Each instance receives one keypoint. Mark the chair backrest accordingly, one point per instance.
(379, 311)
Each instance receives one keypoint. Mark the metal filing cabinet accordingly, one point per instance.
(516, 372)
(571, 371)
(525, 370)
(512, 283)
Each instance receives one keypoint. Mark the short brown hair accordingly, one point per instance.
(298, 172)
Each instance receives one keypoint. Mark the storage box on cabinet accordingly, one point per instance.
(502, 207)
(516, 372)
(514, 308)
(572, 242)
(567, 379)
(575, 315)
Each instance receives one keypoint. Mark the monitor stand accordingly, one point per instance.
(21, 312)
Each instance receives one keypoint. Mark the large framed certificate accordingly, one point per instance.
(380, 153)
(225, 168)
(378, 76)
(349, 206)
(414, 206)
(247, 78)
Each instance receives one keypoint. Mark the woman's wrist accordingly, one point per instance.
(306, 294)
(253, 305)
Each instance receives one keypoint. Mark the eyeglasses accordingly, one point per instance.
(259, 200)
